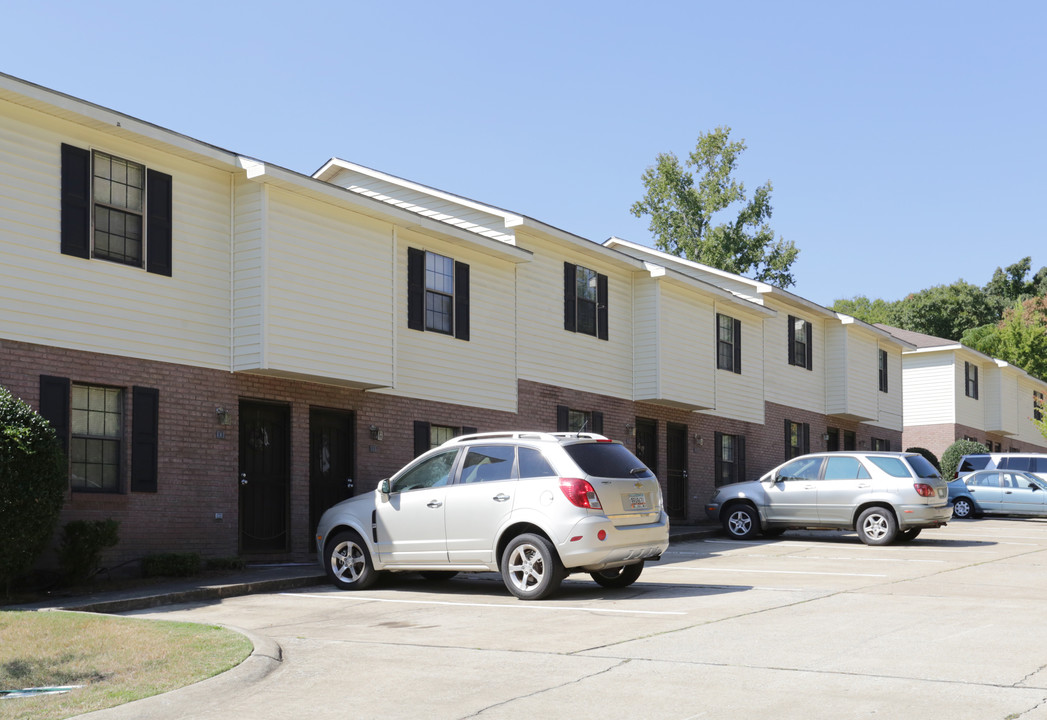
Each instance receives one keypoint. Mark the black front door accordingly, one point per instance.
(676, 471)
(331, 462)
(264, 476)
(647, 443)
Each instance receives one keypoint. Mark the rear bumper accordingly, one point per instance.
(924, 516)
(622, 545)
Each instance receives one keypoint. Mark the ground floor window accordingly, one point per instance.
(881, 444)
(729, 459)
(575, 420)
(96, 421)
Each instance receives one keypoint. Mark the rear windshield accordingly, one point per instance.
(609, 460)
(922, 466)
(892, 466)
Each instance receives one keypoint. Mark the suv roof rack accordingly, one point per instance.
(523, 435)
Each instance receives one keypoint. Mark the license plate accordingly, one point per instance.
(636, 501)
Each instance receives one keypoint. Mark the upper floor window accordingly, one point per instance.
(800, 345)
(728, 343)
(437, 294)
(115, 209)
(883, 370)
(1037, 405)
(585, 301)
(970, 375)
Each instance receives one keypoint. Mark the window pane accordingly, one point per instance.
(585, 284)
(439, 434)
(842, 468)
(488, 463)
(586, 317)
(532, 464)
(438, 310)
(892, 466)
(439, 273)
(433, 472)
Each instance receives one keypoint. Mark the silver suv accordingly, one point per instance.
(883, 496)
(533, 506)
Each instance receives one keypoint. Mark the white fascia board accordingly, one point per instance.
(662, 273)
(334, 165)
(96, 117)
(327, 192)
(872, 329)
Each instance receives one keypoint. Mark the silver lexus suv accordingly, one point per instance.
(533, 506)
(883, 496)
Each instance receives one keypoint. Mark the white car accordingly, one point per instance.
(533, 506)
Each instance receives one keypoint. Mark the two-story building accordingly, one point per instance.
(227, 347)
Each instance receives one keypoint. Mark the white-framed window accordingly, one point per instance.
(96, 437)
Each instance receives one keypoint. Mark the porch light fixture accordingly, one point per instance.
(376, 432)
(630, 430)
(223, 416)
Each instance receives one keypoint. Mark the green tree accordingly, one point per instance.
(945, 311)
(32, 486)
(866, 310)
(1020, 338)
(1010, 285)
(682, 211)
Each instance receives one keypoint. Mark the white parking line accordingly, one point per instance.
(522, 606)
(774, 572)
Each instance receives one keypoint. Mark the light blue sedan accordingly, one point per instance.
(998, 492)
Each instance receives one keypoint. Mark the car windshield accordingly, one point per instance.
(922, 466)
(609, 460)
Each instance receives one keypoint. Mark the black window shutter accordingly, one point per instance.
(54, 406)
(597, 423)
(461, 301)
(421, 437)
(717, 458)
(601, 306)
(158, 222)
(569, 298)
(563, 418)
(810, 345)
(887, 445)
(76, 201)
(738, 346)
(806, 438)
(739, 458)
(145, 438)
(792, 340)
(466, 430)
(716, 342)
(788, 439)
(415, 289)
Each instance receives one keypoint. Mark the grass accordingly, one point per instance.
(116, 659)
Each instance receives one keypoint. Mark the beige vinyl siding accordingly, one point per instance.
(971, 411)
(480, 372)
(792, 385)
(1023, 410)
(329, 306)
(98, 305)
(248, 275)
(1001, 399)
(741, 396)
(851, 372)
(554, 356)
(674, 349)
(889, 410)
(424, 204)
(930, 387)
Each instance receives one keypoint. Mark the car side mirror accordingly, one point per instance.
(383, 487)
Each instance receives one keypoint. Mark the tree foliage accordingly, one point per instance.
(682, 210)
(1020, 338)
(945, 311)
(870, 311)
(32, 486)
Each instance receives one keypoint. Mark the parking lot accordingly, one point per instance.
(808, 625)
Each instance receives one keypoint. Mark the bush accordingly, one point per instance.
(951, 456)
(225, 563)
(171, 565)
(927, 454)
(81, 546)
(33, 483)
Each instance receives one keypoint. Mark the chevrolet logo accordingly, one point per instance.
(638, 485)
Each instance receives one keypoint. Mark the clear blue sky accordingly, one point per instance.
(906, 141)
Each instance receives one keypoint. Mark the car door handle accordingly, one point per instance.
(434, 504)
(500, 497)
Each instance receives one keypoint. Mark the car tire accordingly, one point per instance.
(531, 569)
(741, 521)
(348, 561)
(908, 535)
(963, 508)
(438, 575)
(618, 577)
(877, 526)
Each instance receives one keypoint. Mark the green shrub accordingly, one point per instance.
(171, 565)
(33, 483)
(927, 454)
(953, 453)
(80, 548)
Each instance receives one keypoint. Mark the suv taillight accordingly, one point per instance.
(580, 493)
(924, 490)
